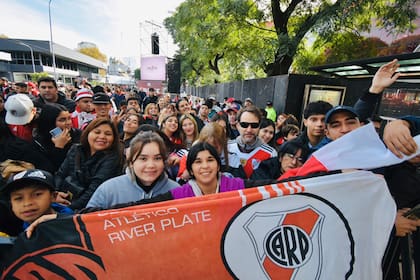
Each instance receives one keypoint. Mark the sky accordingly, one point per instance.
(119, 28)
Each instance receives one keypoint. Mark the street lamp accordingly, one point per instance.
(32, 55)
(51, 40)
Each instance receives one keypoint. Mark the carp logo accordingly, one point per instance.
(57, 262)
(290, 237)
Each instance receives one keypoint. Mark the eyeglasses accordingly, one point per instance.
(247, 124)
(292, 156)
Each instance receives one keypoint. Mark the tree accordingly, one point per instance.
(93, 52)
(36, 76)
(328, 18)
(212, 44)
(340, 48)
(137, 74)
(239, 36)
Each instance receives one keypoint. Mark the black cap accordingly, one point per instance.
(101, 98)
(340, 108)
(20, 179)
(98, 89)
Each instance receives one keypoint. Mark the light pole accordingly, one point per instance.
(32, 55)
(51, 40)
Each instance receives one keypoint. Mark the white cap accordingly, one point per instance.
(19, 109)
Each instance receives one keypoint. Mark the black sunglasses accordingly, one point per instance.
(247, 124)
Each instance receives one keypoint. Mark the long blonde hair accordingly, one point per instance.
(216, 132)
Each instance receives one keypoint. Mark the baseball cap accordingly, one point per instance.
(101, 98)
(340, 108)
(269, 103)
(37, 176)
(249, 100)
(230, 100)
(83, 93)
(234, 107)
(31, 84)
(19, 109)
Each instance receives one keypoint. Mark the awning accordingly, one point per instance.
(409, 67)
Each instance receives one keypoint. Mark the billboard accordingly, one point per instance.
(153, 68)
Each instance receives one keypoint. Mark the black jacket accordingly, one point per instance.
(12, 147)
(81, 174)
(268, 169)
(68, 103)
(55, 155)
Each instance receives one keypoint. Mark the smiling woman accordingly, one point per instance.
(145, 174)
(97, 158)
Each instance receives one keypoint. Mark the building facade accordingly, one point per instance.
(28, 56)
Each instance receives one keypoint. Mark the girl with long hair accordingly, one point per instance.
(151, 114)
(144, 176)
(189, 130)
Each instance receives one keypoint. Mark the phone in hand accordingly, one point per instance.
(413, 213)
(56, 132)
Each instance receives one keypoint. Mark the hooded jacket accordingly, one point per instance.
(124, 188)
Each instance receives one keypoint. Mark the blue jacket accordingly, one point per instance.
(123, 189)
(59, 208)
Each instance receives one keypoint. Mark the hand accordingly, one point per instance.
(61, 140)
(384, 77)
(398, 139)
(41, 219)
(404, 225)
(63, 198)
(185, 175)
(173, 160)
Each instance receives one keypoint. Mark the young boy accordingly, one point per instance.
(32, 195)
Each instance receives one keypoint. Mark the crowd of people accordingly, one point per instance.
(100, 147)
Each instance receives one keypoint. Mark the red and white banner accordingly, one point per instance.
(360, 149)
(328, 227)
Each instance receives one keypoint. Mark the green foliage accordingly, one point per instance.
(340, 47)
(224, 40)
(137, 74)
(93, 52)
(38, 75)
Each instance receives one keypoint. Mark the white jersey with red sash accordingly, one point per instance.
(249, 161)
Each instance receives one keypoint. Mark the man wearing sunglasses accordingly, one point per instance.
(247, 150)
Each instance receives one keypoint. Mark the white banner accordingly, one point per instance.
(337, 229)
(329, 227)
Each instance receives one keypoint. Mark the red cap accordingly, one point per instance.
(230, 100)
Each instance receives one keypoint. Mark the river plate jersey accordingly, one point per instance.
(249, 161)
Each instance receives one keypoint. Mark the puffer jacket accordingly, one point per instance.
(82, 174)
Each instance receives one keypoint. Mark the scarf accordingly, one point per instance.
(245, 148)
(196, 189)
